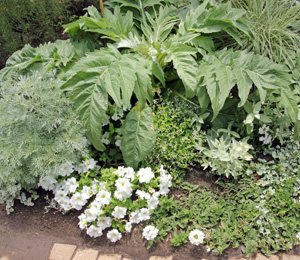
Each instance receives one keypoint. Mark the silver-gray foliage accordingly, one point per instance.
(38, 132)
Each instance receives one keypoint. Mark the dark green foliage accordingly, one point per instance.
(33, 22)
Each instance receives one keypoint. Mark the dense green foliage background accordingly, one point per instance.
(34, 22)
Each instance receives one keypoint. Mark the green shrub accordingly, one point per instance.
(177, 140)
(33, 22)
(39, 132)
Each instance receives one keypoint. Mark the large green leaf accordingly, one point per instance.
(18, 60)
(244, 83)
(207, 19)
(222, 70)
(185, 64)
(90, 101)
(157, 29)
(111, 25)
(289, 101)
(43, 58)
(138, 135)
(102, 77)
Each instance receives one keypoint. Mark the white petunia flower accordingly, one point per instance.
(82, 168)
(119, 212)
(95, 208)
(164, 189)
(104, 222)
(128, 227)
(83, 221)
(61, 196)
(165, 182)
(91, 164)
(150, 232)
(90, 216)
(105, 139)
(94, 231)
(162, 170)
(145, 175)
(114, 235)
(143, 194)
(66, 169)
(144, 214)
(71, 185)
(123, 184)
(151, 190)
(120, 172)
(65, 204)
(129, 173)
(103, 197)
(134, 217)
(47, 183)
(86, 192)
(77, 201)
(196, 237)
(152, 202)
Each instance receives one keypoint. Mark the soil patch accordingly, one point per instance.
(31, 229)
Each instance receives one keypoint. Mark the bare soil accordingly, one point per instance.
(29, 233)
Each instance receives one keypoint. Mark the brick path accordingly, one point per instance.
(69, 252)
(72, 252)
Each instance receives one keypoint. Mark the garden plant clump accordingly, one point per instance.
(112, 120)
(120, 197)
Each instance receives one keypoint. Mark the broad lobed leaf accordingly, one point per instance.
(138, 135)
(105, 76)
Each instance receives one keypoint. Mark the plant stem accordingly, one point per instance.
(184, 98)
(101, 6)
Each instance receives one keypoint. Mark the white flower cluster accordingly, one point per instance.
(196, 237)
(266, 137)
(165, 181)
(118, 115)
(100, 214)
(150, 232)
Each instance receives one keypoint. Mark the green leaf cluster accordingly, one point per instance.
(177, 139)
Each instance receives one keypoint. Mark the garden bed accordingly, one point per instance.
(32, 227)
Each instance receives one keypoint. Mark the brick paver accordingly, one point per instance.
(86, 254)
(260, 256)
(4, 258)
(62, 252)
(110, 257)
(161, 258)
(290, 257)
(65, 252)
